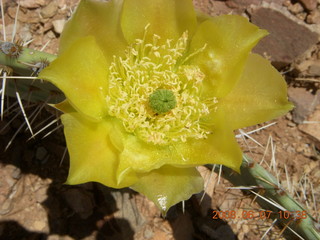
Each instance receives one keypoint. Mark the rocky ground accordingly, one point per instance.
(34, 203)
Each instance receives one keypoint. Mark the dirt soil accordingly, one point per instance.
(35, 204)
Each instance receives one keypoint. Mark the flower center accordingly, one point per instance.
(156, 94)
(162, 101)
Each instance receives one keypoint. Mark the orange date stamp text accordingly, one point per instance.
(265, 214)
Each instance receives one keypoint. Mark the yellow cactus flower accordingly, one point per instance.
(154, 90)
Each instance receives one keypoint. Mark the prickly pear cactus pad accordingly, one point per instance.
(153, 90)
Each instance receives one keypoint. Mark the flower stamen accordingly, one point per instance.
(156, 93)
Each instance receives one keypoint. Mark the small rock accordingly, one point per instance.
(305, 150)
(291, 124)
(295, 8)
(148, 233)
(41, 195)
(219, 8)
(279, 2)
(302, 16)
(286, 3)
(58, 25)
(213, 8)
(311, 166)
(51, 35)
(312, 127)
(16, 174)
(314, 69)
(53, 237)
(246, 3)
(24, 33)
(303, 66)
(309, 4)
(39, 225)
(32, 3)
(241, 3)
(283, 43)
(62, 4)
(289, 116)
(26, 17)
(160, 235)
(6, 206)
(50, 10)
(47, 26)
(314, 17)
(58, 237)
(304, 101)
(12, 175)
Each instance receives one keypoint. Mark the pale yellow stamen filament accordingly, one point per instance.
(146, 68)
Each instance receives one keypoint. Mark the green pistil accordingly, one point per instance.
(162, 101)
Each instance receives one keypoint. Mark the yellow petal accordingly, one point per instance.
(99, 19)
(169, 185)
(228, 40)
(93, 156)
(81, 74)
(167, 18)
(201, 16)
(64, 107)
(219, 148)
(259, 96)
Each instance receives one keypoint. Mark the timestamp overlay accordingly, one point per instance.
(259, 214)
